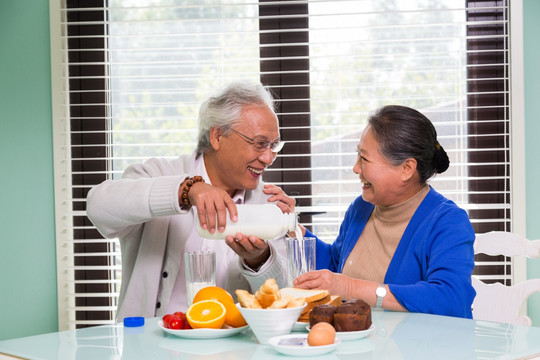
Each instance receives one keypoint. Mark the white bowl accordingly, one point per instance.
(267, 323)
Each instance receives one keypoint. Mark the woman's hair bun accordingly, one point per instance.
(441, 160)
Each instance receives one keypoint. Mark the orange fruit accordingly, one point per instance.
(233, 317)
(209, 314)
(213, 293)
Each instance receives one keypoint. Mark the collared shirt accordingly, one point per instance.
(224, 254)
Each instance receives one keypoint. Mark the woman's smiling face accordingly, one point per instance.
(382, 180)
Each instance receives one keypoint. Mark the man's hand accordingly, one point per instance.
(253, 250)
(284, 202)
(211, 201)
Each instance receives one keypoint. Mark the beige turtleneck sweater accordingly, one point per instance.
(376, 245)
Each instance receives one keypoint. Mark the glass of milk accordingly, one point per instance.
(200, 272)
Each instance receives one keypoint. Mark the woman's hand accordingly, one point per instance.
(211, 201)
(346, 287)
(336, 284)
(284, 202)
(253, 250)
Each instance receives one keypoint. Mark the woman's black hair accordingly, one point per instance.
(405, 133)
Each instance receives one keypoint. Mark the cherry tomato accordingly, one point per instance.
(180, 314)
(166, 319)
(176, 323)
(186, 325)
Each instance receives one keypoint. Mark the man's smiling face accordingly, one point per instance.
(240, 165)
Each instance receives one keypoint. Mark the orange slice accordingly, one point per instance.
(209, 314)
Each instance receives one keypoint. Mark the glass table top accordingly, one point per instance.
(396, 336)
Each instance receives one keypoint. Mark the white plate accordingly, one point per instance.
(352, 335)
(296, 345)
(299, 326)
(202, 333)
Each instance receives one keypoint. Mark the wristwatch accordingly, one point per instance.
(381, 293)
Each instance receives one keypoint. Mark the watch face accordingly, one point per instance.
(381, 291)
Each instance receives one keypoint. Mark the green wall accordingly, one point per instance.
(531, 32)
(28, 300)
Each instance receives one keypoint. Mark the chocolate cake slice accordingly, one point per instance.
(322, 313)
(352, 315)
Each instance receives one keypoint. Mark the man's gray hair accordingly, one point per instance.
(223, 109)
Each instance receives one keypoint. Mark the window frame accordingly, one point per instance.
(517, 135)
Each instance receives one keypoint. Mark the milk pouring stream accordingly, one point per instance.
(265, 221)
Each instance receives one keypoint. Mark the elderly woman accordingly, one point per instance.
(402, 245)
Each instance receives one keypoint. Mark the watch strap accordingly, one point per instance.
(381, 293)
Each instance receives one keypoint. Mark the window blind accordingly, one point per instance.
(136, 72)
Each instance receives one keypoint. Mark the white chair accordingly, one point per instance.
(497, 302)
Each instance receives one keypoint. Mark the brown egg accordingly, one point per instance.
(321, 334)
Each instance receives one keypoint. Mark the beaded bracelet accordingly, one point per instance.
(184, 198)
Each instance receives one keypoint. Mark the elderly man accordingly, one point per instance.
(153, 209)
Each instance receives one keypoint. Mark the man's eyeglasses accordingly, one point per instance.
(260, 145)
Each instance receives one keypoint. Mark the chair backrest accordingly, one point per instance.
(497, 302)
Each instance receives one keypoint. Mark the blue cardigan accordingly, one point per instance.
(431, 269)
